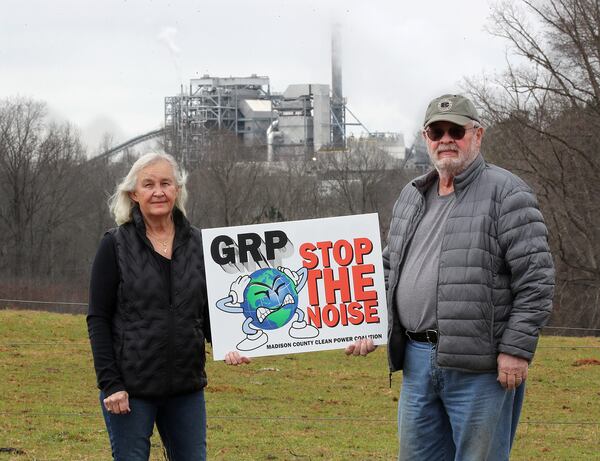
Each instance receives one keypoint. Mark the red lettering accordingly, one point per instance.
(325, 247)
(356, 316)
(330, 315)
(310, 259)
(313, 290)
(370, 312)
(337, 252)
(363, 246)
(342, 284)
(344, 314)
(314, 316)
(360, 282)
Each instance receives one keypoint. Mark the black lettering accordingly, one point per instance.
(274, 240)
(222, 250)
(249, 243)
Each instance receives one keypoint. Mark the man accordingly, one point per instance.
(470, 282)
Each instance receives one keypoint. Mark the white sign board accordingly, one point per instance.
(295, 286)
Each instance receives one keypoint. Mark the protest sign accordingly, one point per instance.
(295, 286)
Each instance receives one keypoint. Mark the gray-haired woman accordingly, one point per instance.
(148, 317)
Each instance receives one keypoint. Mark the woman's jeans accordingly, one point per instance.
(450, 415)
(181, 423)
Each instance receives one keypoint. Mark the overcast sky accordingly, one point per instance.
(107, 65)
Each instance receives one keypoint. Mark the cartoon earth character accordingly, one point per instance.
(268, 298)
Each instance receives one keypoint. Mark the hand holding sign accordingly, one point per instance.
(360, 347)
(234, 358)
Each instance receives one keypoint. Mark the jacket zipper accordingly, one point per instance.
(171, 323)
(437, 294)
(171, 328)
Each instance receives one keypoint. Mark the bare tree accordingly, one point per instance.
(291, 189)
(223, 185)
(37, 163)
(354, 176)
(544, 119)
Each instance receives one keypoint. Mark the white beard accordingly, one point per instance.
(454, 166)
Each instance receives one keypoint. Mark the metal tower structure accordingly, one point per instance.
(241, 105)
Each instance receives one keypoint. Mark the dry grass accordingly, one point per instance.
(296, 407)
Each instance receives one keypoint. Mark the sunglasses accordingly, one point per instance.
(456, 132)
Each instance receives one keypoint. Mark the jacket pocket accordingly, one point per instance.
(200, 340)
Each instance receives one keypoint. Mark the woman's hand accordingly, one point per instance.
(117, 403)
(234, 358)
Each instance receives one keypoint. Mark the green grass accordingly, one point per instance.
(296, 407)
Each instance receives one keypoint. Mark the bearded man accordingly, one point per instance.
(470, 282)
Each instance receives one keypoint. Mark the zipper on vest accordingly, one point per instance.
(170, 358)
(171, 327)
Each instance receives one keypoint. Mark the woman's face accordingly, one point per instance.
(155, 190)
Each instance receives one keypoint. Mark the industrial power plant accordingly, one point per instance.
(299, 121)
(302, 122)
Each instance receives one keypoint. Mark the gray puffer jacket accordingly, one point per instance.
(496, 276)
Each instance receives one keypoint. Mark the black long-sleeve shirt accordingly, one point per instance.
(104, 284)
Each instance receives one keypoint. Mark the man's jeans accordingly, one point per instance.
(453, 415)
(181, 423)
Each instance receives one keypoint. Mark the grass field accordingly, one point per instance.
(296, 407)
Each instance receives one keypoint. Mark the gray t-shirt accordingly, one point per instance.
(416, 292)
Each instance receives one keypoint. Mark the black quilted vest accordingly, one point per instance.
(159, 345)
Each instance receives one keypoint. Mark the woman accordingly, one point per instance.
(148, 317)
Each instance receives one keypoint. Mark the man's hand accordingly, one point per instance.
(512, 371)
(360, 347)
(117, 403)
(234, 358)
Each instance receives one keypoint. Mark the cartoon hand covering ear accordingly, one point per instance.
(237, 289)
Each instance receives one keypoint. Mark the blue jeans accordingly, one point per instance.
(451, 415)
(181, 423)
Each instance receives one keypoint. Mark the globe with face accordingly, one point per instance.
(270, 299)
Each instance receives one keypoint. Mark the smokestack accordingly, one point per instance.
(338, 109)
(336, 64)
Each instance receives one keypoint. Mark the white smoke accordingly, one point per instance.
(167, 36)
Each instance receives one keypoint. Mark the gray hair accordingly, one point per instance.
(120, 204)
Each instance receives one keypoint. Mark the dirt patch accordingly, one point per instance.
(583, 362)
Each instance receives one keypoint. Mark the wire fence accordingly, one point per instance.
(284, 418)
(83, 308)
(56, 303)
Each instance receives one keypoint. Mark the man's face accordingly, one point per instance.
(452, 152)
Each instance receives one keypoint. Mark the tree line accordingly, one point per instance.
(53, 206)
(542, 118)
